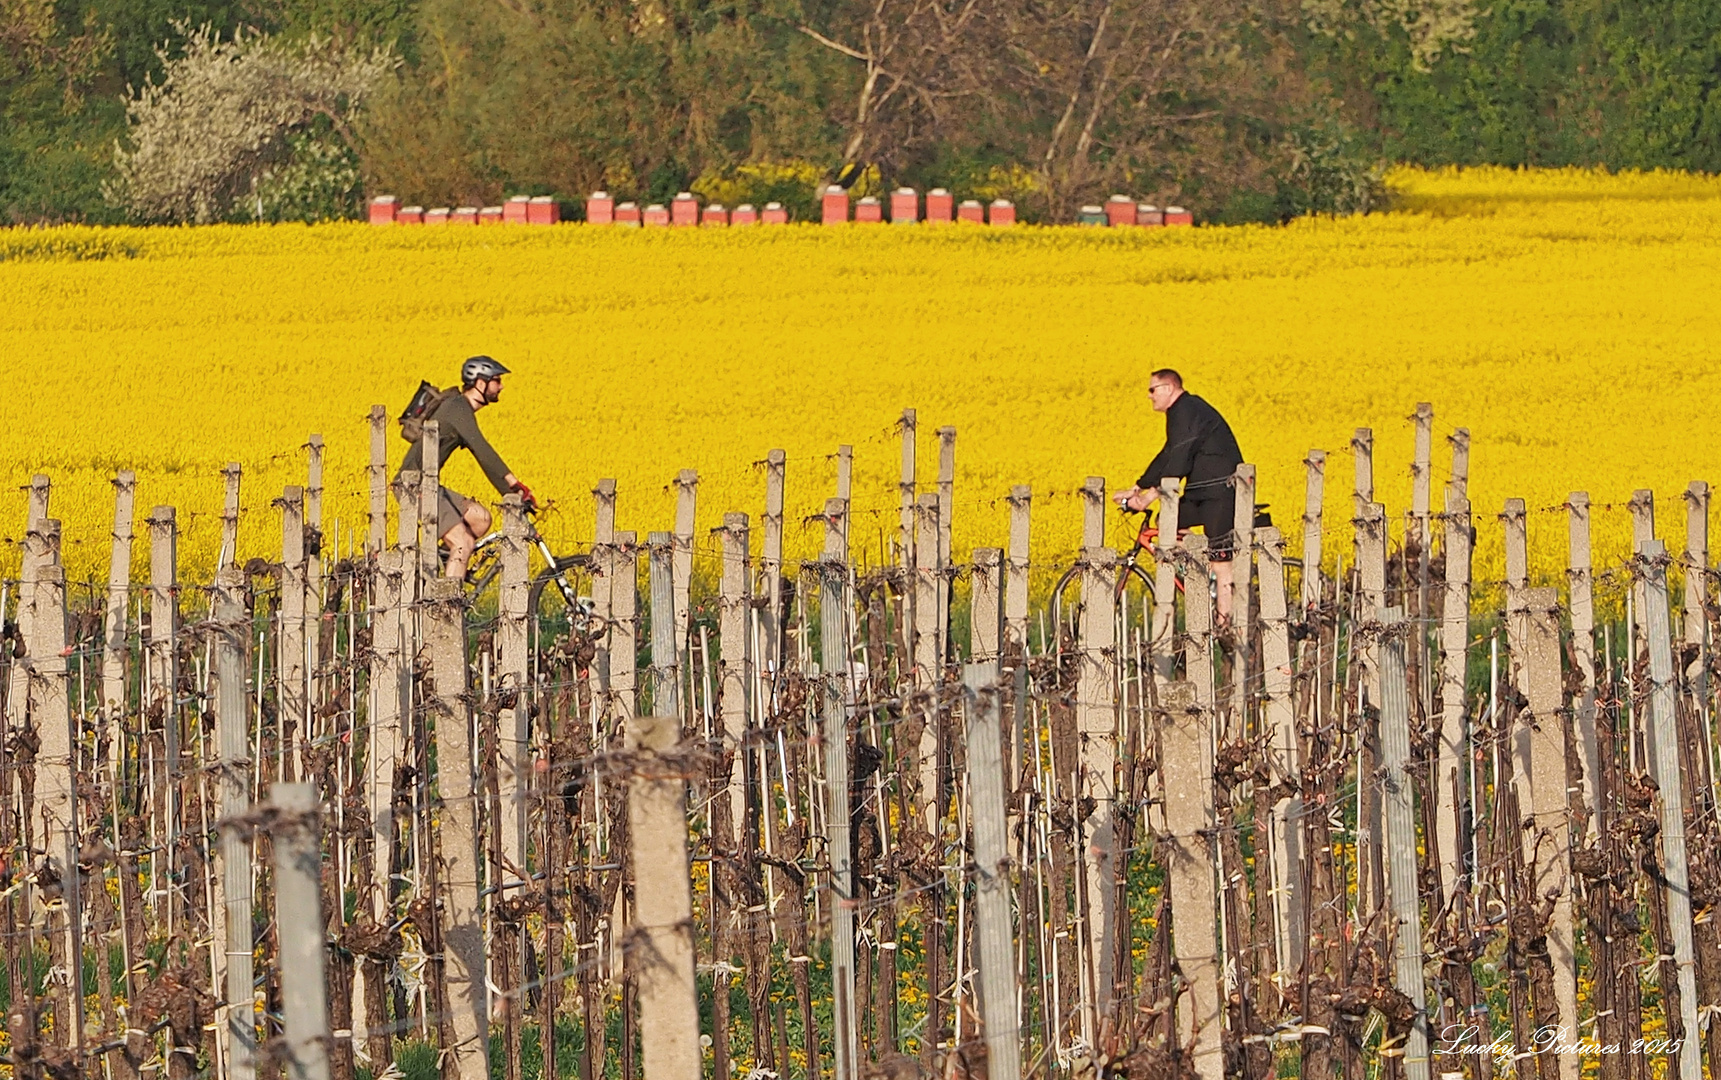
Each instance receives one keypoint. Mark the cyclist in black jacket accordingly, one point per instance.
(1200, 448)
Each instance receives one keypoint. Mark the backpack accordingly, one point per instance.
(421, 408)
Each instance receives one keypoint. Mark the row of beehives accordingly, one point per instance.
(905, 205)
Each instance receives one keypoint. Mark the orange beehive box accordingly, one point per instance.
(1120, 210)
(656, 216)
(464, 215)
(1149, 214)
(775, 214)
(971, 210)
(410, 215)
(684, 209)
(715, 215)
(490, 215)
(517, 209)
(1177, 215)
(600, 209)
(382, 210)
(437, 216)
(1002, 212)
(939, 205)
(904, 206)
(627, 213)
(543, 210)
(835, 205)
(869, 210)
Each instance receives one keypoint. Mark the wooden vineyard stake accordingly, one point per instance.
(293, 833)
(624, 628)
(164, 679)
(1185, 740)
(1000, 1015)
(906, 489)
(660, 941)
(1371, 543)
(295, 707)
(1450, 774)
(1242, 556)
(1696, 609)
(1581, 589)
(114, 636)
(1422, 486)
(1652, 567)
(376, 537)
(1314, 484)
(603, 537)
(737, 657)
(1548, 801)
(1096, 727)
(927, 668)
(314, 522)
(835, 668)
(231, 638)
(1283, 755)
(1400, 820)
(466, 1047)
(231, 476)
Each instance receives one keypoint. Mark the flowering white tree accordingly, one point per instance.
(229, 118)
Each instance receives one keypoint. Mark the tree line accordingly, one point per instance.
(1245, 110)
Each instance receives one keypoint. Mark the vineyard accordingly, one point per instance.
(330, 813)
(1546, 311)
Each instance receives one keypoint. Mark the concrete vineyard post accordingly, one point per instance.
(660, 571)
(686, 505)
(1399, 815)
(624, 631)
(906, 487)
(1093, 496)
(294, 704)
(56, 794)
(1316, 467)
(1186, 751)
(1453, 741)
(1460, 442)
(946, 500)
(1371, 541)
(1642, 507)
(237, 1027)
(1695, 615)
(737, 652)
(771, 568)
(660, 945)
(1652, 568)
(1096, 728)
(1515, 520)
(462, 935)
(1243, 543)
(1000, 1015)
(834, 665)
(376, 539)
(513, 675)
(407, 533)
(230, 476)
(1165, 579)
(927, 666)
(1362, 447)
(1016, 572)
(1283, 757)
(114, 635)
(1581, 588)
(390, 703)
(1549, 800)
(163, 656)
(985, 621)
(430, 501)
(299, 915)
(603, 574)
(314, 520)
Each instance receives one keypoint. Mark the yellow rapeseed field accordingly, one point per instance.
(1569, 319)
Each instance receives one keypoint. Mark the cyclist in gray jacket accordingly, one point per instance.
(460, 520)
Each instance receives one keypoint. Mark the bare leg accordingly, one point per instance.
(1222, 574)
(461, 544)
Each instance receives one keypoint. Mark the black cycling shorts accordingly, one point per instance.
(1217, 518)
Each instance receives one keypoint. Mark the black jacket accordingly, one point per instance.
(1198, 446)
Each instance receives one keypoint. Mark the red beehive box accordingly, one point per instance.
(516, 209)
(904, 206)
(410, 215)
(715, 215)
(1149, 214)
(464, 215)
(656, 215)
(939, 204)
(869, 210)
(1120, 210)
(382, 210)
(1002, 212)
(1177, 215)
(490, 215)
(600, 208)
(971, 210)
(775, 214)
(627, 214)
(684, 209)
(438, 216)
(835, 205)
(744, 215)
(543, 210)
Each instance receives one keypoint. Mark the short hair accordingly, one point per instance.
(1169, 376)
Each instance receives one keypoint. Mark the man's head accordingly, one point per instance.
(1164, 387)
(481, 379)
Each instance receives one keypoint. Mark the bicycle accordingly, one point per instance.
(485, 567)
